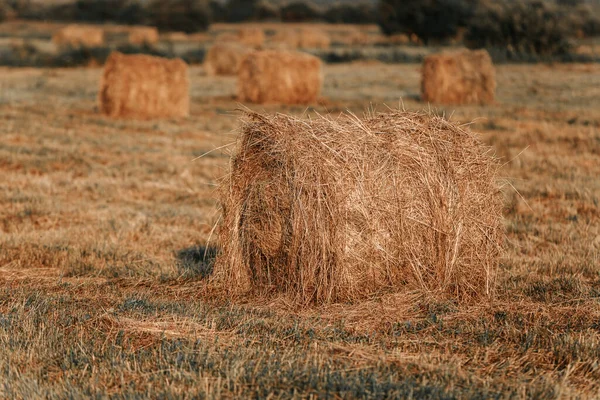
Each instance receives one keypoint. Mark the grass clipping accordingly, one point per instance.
(329, 210)
(460, 77)
(142, 86)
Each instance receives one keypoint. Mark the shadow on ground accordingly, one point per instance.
(197, 261)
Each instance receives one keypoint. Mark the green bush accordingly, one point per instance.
(241, 10)
(522, 28)
(179, 15)
(430, 20)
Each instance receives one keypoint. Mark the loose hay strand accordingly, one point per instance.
(329, 210)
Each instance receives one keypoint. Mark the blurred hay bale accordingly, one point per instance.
(276, 76)
(176, 37)
(339, 209)
(79, 36)
(224, 58)
(146, 35)
(462, 77)
(142, 86)
(303, 38)
(253, 37)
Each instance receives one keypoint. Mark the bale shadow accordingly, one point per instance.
(197, 261)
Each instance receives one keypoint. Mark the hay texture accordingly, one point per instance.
(225, 58)
(141, 86)
(79, 36)
(341, 209)
(279, 76)
(304, 38)
(253, 37)
(463, 77)
(143, 36)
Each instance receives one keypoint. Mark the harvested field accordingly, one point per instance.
(105, 223)
(79, 36)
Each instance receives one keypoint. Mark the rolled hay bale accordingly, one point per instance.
(253, 37)
(279, 76)
(142, 86)
(79, 36)
(146, 35)
(340, 209)
(303, 38)
(462, 77)
(225, 58)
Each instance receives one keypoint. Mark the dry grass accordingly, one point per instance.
(340, 209)
(140, 86)
(94, 301)
(279, 76)
(143, 35)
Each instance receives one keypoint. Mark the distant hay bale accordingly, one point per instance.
(146, 35)
(304, 38)
(177, 37)
(224, 58)
(338, 209)
(463, 77)
(227, 37)
(79, 36)
(253, 37)
(276, 76)
(142, 86)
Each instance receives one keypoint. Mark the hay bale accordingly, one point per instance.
(328, 210)
(253, 37)
(276, 76)
(146, 35)
(142, 86)
(79, 36)
(177, 37)
(224, 58)
(303, 38)
(463, 77)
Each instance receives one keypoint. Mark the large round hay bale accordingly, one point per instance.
(142, 86)
(224, 58)
(338, 209)
(279, 76)
(79, 36)
(146, 35)
(462, 77)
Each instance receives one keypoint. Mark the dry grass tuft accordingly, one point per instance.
(79, 36)
(462, 77)
(279, 76)
(141, 86)
(143, 35)
(224, 58)
(330, 210)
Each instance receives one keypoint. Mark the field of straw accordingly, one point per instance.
(108, 235)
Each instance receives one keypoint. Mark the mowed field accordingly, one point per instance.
(104, 222)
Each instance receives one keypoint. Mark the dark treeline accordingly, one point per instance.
(527, 27)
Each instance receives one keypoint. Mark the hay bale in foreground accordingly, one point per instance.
(142, 86)
(337, 209)
(146, 35)
(224, 58)
(279, 76)
(463, 77)
(79, 36)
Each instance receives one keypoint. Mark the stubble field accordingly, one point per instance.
(104, 223)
